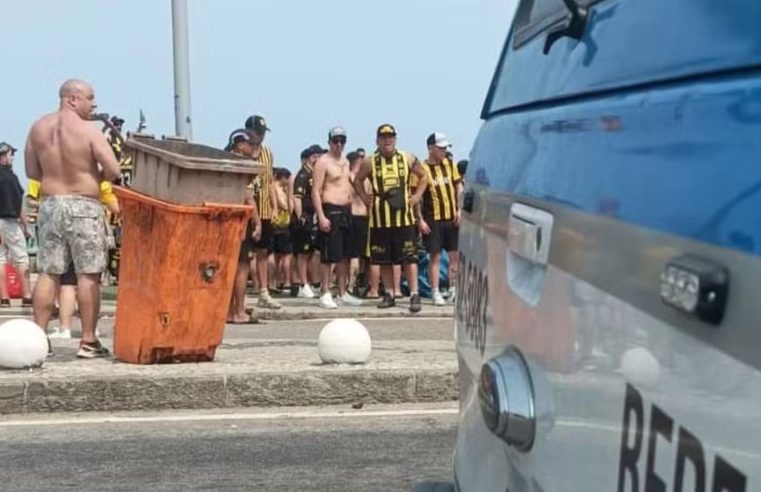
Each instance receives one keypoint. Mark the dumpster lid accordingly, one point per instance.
(194, 156)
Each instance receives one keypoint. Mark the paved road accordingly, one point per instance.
(335, 449)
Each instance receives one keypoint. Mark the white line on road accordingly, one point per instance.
(231, 416)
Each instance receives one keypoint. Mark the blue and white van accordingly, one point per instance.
(609, 311)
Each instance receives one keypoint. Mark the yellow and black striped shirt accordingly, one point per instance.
(440, 197)
(261, 184)
(390, 176)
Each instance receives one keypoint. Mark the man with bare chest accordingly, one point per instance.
(70, 157)
(332, 197)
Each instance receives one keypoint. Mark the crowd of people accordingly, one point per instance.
(353, 224)
(348, 223)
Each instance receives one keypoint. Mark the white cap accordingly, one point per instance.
(438, 139)
(337, 131)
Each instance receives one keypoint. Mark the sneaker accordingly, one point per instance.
(305, 292)
(452, 294)
(350, 300)
(267, 302)
(27, 302)
(438, 299)
(415, 303)
(387, 302)
(327, 302)
(92, 350)
(58, 333)
(5, 303)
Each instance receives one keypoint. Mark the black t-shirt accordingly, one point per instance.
(11, 194)
(302, 189)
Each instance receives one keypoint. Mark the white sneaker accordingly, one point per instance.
(350, 300)
(327, 302)
(60, 334)
(452, 294)
(306, 292)
(438, 299)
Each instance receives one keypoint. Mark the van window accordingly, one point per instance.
(535, 16)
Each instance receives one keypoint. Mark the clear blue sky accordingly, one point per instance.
(422, 65)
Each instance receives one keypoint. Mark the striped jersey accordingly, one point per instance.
(390, 180)
(261, 184)
(440, 197)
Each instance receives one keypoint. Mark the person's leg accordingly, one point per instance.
(271, 272)
(44, 295)
(373, 280)
(433, 271)
(397, 280)
(342, 274)
(387, 276)
(3, 290)
(302, 262)
(286, 269)
(67, 305)
(88, 298)
(239, 294)
(326, 274)
(262, 270)
(353, 272)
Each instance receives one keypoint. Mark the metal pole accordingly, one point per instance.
(182, 124)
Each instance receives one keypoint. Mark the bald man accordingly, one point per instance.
(70, 157)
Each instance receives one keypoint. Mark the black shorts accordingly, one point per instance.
(444, 236)
(393, 245)
(247, 245)
(334, 245)
(358, 236)
(303, 235)
(281, 243)
(266, 241)
(69, 277)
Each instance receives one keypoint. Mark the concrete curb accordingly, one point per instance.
(265, 389)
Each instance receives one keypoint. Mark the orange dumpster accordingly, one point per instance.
(175, 279)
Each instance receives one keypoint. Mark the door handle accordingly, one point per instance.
(529, 233)
(468, 200)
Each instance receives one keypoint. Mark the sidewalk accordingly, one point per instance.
(293, 309)
(274, 363)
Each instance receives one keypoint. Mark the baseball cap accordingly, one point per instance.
(337, 131)
(6, 147)
(439, 140)
(314, 149)
(386, 129)
(256, 122)
(238, 135)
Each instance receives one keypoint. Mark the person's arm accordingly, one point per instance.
(319, 180)
(422, 185)
(104, 155)
(359, 182)
(31, 160)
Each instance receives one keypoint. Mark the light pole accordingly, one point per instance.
(182, 122)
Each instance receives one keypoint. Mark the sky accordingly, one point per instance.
(421, 65)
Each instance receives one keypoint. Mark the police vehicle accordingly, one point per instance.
(608, 323)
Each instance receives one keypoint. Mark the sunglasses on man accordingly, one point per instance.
(338, 140)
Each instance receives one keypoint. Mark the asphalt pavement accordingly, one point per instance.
(377, 448)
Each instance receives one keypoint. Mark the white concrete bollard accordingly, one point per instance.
(344, 341)
(641, 367)
(22, 344)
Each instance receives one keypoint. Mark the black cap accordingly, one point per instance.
(386, 129)
(6, 147)
(312, 150)
(256, 123)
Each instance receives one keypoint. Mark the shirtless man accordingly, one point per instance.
(332, 195)
(359, 226)
(63, 152)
